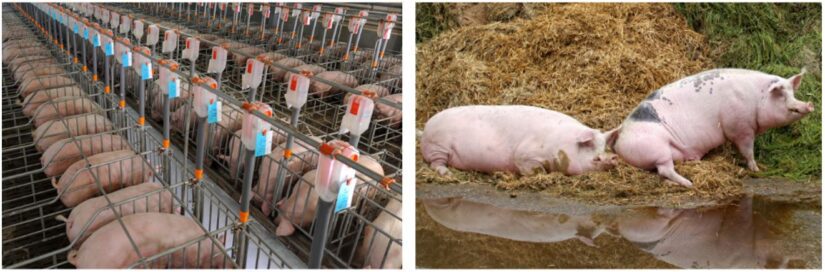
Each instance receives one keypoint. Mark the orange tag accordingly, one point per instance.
(287, 153)
(94, 77)
(198, 174)
(326, 149)
(165, 143)
(141, 120)
(122, 104)
(106, 89)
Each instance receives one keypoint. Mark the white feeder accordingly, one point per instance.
(357, 117)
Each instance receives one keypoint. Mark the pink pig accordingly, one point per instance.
(686, 119)
(519, 139)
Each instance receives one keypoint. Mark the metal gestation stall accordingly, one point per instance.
(366, 234)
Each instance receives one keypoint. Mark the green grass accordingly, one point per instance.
(432, 19)
(778, 39)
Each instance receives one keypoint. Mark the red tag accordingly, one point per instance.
(214, 54)
(187, 43)
(166, 36)
(249, 67)
(293, 84)
(355, 105)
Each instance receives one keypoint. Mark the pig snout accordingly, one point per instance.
(606, 161)
(803, 108)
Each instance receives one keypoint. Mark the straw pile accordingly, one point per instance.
(594, 62)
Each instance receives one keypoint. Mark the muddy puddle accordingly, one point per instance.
(471, 226)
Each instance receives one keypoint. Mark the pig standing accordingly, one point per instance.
(685, 119)
(33, 100)
(23, 75)
(240, 59)
(62, 107)
(278, 73)
(160, 98)
(114, 170)
(301, 205)
(302, 161)
(321, 89)
(154, 233)
(64, 153)
(96, 213)
(520, 139)
(76, 125)
(377, 244)
(236, 161)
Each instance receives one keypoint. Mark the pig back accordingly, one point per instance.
(375, 243)
(386, 111)
(95, 210)
(115, 170)
(321, 89)
(154, 233)
(56, 130)
(278, 73)
(311, 68)
(378, 90)
(41, 83)
(62, 154)
(35, 99)
(64, 106)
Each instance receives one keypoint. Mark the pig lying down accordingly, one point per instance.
(520, 139)
(686, 119)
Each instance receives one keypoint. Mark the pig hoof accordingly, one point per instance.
(285, 228)
(753, 166)
(442, 170)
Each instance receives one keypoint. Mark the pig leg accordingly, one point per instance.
(667, 170)
(437, 157)
(745, 146)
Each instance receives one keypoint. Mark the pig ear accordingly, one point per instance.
(585, 137)
(796, 80)
(776, 90)
(612, 135)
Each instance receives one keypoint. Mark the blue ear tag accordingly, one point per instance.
(213, 112)
(110, 49)
(86, 33)
(344, 196)
(76, 28)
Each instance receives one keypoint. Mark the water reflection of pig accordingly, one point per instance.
(467, 216)
(724, 237)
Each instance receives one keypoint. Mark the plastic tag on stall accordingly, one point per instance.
(254, 72)
(296, 96)
(85, 33)
(296, 10)
(357, 116)
(126, 59)
(332, 174)
(384, 29)
(138, 29)
(104, 16)
(328, 20)
(263, 143)
(152, 34)
(345, 192)
(146, 70)
(173, 87)
(96, 40)
(218, 61)
(125, 24)
(339, 14)
(250, 9)
(306, 18)
(316, 11)
(285, 13)
(170, 41)
(203, 97)
(191, 50)
(237, 7)
(115, 19)
(214, 112)
(252, 125)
